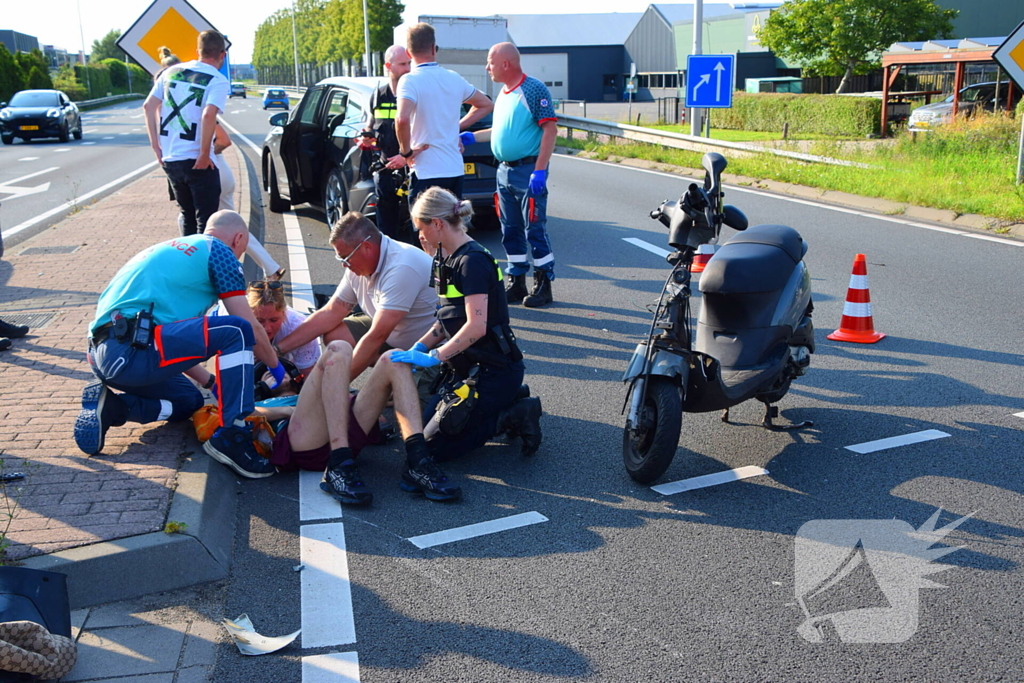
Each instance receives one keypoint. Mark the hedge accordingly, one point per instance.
(821, 114)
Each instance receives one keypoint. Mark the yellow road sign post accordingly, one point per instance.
(171, 23)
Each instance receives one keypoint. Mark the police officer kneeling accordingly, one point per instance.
(481, 391)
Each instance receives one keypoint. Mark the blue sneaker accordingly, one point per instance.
(427, 478)
(232, 446)
(101, 409)
(343, 484)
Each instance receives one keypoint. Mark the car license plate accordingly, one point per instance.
(470, 169)
(30, 128)
(923, 124)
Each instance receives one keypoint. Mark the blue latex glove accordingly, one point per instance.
(467, 138)
(417, 358)
(421, 347)
(278, 374)
(538, 181)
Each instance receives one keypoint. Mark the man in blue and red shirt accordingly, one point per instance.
(522, 138)
(151, 327)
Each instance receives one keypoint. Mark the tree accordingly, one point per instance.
(11, 80)
(106, 47)
(39, 80)
(385, 15)
(832, 37)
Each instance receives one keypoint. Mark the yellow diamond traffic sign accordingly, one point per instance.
(174, 24)
(1010, 55)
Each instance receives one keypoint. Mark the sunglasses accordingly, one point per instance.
(261, 285)
(345, 259)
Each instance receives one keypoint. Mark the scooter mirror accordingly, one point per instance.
(714, 163)
(734, 218)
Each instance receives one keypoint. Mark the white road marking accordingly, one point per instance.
(298, 266)
(124, 133)
(28, 158)
(647, 246)
(8, 183)
(709, 480)
(326, 593)
(109, 137)
(339, 667)
(61, 149)
(81, 200)
(1018, 414)
(894, 441)
(88, 143)
(137, 116)
(819, 205)
(314, 504)
(480, 529)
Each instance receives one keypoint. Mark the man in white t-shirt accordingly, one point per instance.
(181, 114)
(390, 281)
(430, 102)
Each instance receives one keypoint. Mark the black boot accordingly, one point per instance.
(541, 294)
(12, 331)
(5, 343)
(515, 288)
(522, 419)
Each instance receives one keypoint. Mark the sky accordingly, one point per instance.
(57, 24)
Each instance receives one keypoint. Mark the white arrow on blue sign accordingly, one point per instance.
(709, 81)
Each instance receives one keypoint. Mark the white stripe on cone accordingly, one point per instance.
(853, 310)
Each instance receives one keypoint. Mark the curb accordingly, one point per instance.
(204, 500)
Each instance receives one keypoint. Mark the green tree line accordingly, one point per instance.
(327, 31)
(22, 71)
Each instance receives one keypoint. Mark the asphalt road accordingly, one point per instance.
(42, 181)
(622, 583)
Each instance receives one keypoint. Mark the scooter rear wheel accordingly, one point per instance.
(649, 446)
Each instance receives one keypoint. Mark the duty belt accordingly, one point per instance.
(109, 331)
(520, 162)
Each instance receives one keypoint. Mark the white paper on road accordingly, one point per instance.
(249, 642)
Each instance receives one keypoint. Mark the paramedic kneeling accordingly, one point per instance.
(471, 337)
(151, 327)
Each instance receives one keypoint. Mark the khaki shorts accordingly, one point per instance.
(359, 325)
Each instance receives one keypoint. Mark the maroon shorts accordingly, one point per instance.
(288, 460)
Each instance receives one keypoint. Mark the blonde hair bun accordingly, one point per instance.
(465, 209)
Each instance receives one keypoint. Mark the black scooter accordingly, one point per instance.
(754, 333)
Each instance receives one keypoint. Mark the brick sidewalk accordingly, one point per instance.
(68, 499)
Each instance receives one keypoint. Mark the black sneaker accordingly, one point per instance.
(233, 447)
(541, 294)
(344, 484)
(427, 478)
(101, 409)
(12, 331)
(515, 288)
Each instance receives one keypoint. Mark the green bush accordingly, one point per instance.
(821, 114)
(118, 72)
(11, 78)
(39, 80)
(66, 82)
(96, 80)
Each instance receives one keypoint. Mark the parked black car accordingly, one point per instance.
(39, 114)
(312, 154)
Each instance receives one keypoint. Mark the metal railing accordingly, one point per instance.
(692, 143)
(107, 100)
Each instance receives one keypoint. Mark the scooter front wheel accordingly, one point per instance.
(649, 446)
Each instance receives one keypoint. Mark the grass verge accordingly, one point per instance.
(967, 167)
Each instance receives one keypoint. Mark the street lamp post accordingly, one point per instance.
(81, 34)
(366, 37)
(295, 45)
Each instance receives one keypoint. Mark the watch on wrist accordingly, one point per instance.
(210, 382)
(405, 155)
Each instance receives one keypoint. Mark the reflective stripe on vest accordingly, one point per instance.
(453, 292)
(385, 111)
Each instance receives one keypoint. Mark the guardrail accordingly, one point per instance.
(689, 142)
(106, 100)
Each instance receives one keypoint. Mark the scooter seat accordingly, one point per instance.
(759, 259)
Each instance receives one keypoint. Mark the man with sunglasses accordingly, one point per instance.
(151, 330)
(389, 281)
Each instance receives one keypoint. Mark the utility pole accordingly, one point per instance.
(697, 115)
(366, 37)
(81, 34)
(128, 68)
(295, 45)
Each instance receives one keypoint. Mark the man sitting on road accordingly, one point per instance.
(328, 427)
(151, 326)
(390, 281)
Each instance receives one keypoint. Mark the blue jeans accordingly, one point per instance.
(416, 186)
(197, 192)
(524, 220)
(151, 378)
(497, 389)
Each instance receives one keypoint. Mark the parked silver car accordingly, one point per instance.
(973, 98)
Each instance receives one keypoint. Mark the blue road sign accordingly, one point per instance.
(709, 80)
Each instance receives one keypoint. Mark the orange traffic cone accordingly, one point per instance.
(857, 324)
(701, 258)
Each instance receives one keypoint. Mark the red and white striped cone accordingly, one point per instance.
(701, 258)
(857, 325)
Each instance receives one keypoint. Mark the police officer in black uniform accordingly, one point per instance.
(384, 109)
(481, 391)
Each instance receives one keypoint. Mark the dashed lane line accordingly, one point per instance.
(327, 618)
(28, 159)
(647, 246)
(340, 667)
(1018, 414)
(314, 504)
(461, 533)
(894, 441)
(30, 175)
(709, 480)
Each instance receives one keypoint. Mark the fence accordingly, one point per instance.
(309, 74)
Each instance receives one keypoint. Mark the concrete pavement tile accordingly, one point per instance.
(870, 203)
(929, 214)
(152, 678)
(1016, 229)
(114, 615)
(201, 644)
(195, 674)
(78, 618)
(127, 651)
(973, 220)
